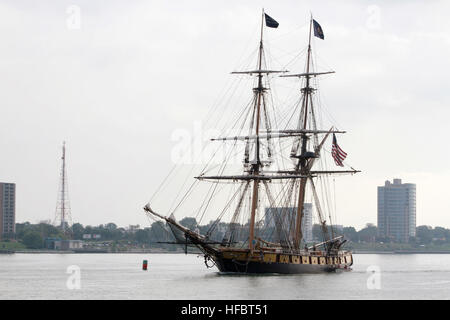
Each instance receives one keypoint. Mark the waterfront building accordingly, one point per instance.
(397, 210)
(7, 210)
(60, 244)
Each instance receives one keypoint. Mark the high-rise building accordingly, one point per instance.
(287, 216)
(397, 210)
(7, 210)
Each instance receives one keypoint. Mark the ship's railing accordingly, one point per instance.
(317, 253)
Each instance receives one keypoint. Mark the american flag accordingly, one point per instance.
(337, 153)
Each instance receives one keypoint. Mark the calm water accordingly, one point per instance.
(179, 276)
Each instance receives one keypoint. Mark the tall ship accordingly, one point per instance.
(280, 168)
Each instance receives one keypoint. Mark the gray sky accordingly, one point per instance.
(117, 82)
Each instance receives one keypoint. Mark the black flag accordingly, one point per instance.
(270, 22)
(318, 32)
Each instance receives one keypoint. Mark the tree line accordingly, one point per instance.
(33, 236)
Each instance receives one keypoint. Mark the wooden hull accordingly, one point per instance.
(263, 262)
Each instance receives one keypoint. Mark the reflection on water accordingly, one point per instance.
(178, 276)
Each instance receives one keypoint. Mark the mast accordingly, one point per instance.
(302, 163)
(256, 166)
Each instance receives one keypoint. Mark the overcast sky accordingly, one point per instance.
(116, 79)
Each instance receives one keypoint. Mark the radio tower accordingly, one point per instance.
(63, 218)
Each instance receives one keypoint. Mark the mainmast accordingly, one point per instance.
(307, 158)
(302, 162)
(259, 91)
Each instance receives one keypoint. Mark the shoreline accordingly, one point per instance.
(400, 252)
(182, 252)
(88, 252)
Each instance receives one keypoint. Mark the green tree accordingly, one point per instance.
(440, 233)
(111, 226)
(424, 234)
(351, 234)
(142, 236)
(48, 230)
(368, 234)
(33, 240)
(21, 228)
(78, 231)
(158, 232)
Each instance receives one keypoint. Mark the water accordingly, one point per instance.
(179, 276)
